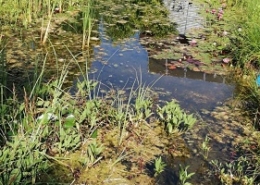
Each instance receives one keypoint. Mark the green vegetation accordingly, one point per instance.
(46, 130)
(49, 135)
(174, 118)
(236, 172)
(159, 166)
(232, 32)
(205, 146)
(184, 175)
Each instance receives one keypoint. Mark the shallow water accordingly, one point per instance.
(119, 65)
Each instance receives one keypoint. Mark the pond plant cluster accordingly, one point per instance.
(49, 135)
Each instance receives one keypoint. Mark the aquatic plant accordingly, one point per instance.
(236, 171)
(143, 98)
(87, 24)
(205, 146)
(148, 17)
(21, 159)
(184, 175)
(3, 74)
(159, 166)
(248, 93)
(174, 118)
(45, 30)
(93, 152)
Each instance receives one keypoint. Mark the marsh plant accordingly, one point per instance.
(159, 166)
(246, 47)
(29, 11)
(92, 153)
(86, 24)
(249, 93)
(44, 128)
(205, 146)
(184, 175)
(174, 118)
(239, 171)
(21, 159)
(143, 107)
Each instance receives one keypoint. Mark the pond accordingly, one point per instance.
(122, 64)
(126, 55)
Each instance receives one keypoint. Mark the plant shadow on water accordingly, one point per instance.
(118, 65)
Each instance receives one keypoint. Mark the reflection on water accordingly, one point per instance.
(185, 14)
(118, 65)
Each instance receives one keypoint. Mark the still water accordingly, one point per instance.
(119, 65)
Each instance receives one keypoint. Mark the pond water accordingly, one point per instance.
(118, 65)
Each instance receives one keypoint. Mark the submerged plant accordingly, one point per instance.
(205, 146)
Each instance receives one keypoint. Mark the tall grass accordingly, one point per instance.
(30, 11)
(248, 92)
(244, 15)
(86, 24)
(245, 40)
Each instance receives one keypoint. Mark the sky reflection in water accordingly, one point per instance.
(118, 65)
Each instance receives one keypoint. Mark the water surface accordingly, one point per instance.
(118, 65)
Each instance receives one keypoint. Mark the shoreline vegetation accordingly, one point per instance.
(48, 135)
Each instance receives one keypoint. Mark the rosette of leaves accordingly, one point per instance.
(175, 118)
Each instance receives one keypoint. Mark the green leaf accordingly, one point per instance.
(94, 134)
(169, 127)
(40, 103)
(69, 122)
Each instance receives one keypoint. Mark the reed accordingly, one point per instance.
(86, 24)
